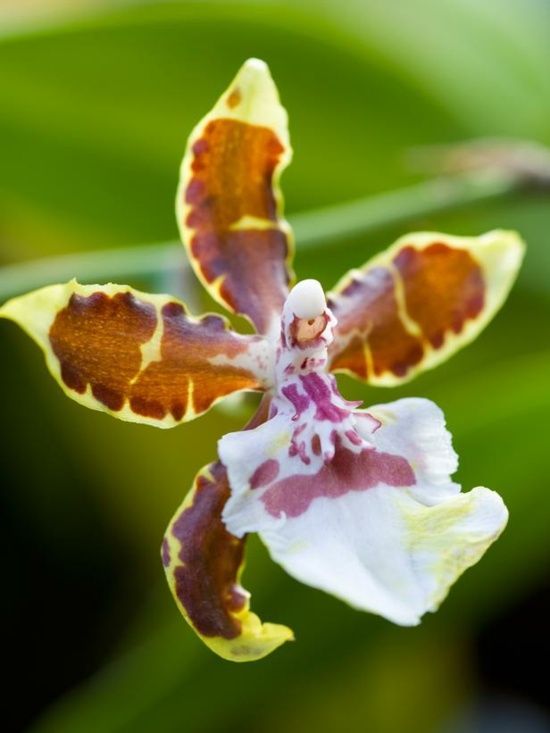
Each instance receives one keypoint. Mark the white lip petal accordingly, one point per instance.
(383, 552)
(378, 522)
(415, 428)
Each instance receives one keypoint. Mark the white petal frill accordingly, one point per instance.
(377, 521)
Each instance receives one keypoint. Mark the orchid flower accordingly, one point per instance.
(358, 503)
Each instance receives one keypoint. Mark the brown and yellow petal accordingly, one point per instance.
(420, 301)
(229, 205)
(203, 564)
(139, 357)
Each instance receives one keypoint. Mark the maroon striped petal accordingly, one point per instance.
(414, 305)
(203, 564)
(229, 206)
(139, 357)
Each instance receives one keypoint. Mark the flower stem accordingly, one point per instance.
(313, 230)
(318, 228)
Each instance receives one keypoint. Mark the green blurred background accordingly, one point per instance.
(96, 102)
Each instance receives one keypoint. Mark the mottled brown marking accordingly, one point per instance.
(97, 340)
(186, 346)
(207, 578)
(234, 98)
(444, 288)
(367, 309)
(351, 357)
(232, 178)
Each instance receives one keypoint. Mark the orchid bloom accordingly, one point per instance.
(358, 503)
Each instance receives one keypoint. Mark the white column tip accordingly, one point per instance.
(307, 299)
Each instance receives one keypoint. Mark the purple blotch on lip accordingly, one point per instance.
(299, 401)
(347, 471)
(265, 473)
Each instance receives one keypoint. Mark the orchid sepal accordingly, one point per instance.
(203, 564)
(414, 305)
(229, 204)
(139, 357)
